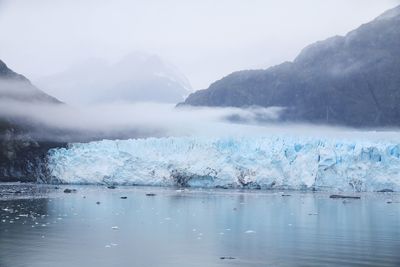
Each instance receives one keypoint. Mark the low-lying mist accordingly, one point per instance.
(55, 122)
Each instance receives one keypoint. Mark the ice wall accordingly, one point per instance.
(248, 162)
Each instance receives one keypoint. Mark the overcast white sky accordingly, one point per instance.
(205, 39)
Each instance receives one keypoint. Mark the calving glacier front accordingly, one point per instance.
(268, 162)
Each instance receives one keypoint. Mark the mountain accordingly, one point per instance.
(14, 86)
(137, 77)
(22, 157)
(351, 80)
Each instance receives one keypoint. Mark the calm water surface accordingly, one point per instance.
(42, 226)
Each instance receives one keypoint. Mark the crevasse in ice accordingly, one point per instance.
(247, 162)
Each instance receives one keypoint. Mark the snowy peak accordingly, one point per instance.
(135, 78)
(147, 66)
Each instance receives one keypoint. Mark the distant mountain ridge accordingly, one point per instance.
(138, 77)
(351, 80)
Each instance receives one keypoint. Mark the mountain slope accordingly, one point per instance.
(352, 80)
(137, 77)
(14, 86)
(22, 158)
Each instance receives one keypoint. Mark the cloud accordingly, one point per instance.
(206, 39)
(126, 120)
(137, 77)
(55, 122)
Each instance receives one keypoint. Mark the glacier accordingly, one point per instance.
(271, 162)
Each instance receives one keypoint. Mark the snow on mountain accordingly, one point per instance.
(137, 77)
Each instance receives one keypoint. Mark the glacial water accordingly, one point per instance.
(40, 226)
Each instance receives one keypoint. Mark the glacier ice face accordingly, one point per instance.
(246, 162)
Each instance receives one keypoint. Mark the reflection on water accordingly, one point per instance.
(197, 228)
